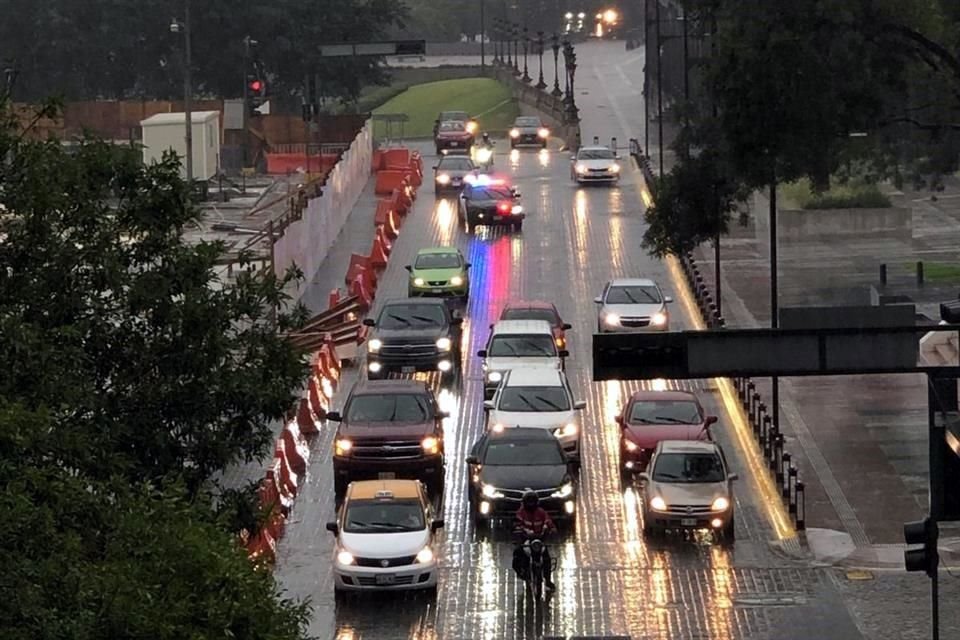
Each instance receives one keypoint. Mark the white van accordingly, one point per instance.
(518, 343)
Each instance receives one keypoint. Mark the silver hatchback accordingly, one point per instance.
(632, 305)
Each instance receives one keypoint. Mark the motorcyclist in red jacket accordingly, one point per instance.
(529, 523)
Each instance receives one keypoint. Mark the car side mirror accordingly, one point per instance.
(435, 167)
(566, 326)
(334, 416)
(516, 196)
(467, 265)
(436, 525)
(732, 476)
(333, 528)
(444, 414)
(579, 404)
(409, 268)
(668, 299)
(473, 460)
(618, 419)
(456, 321)
(710, 420)
(644, 476)
(482, 353)
(564, 353)
(598, 300)
(489, 405)
(369, 322)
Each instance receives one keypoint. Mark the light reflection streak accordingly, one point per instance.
(544, 157)
(580, 225)
(660, 591)
(346, 633)
(615, 203)
(514, 158)
(446, 221)
(489, 585)
(720, 607)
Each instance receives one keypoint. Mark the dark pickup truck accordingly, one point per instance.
(411, 335)
(389, 429)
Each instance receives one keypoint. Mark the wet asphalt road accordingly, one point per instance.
(610, 580)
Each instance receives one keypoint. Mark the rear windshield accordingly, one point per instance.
(456, 163)
(522, 346)
(438, 261)
(665, 412)
(524, 453)
(527, 122)
(534, 399)
(490, 193)
(688, 468)
(406, 408)
(531, 314)
(452, 126)
(374, 516)
(454, 115)
(634, 294)
(407, 316)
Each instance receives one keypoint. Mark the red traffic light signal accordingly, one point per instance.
(256, 86)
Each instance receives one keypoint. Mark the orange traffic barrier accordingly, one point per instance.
(275, 525)
(328, 363)
(400, 203)
(358, 264)
(363, 292)
(319, 405)
(308, 416)
(388, 180)
(416, 172)
(376, 162)
(287, 481)
(391, 226)
(333, 299)
(384, 207)
(262, 548)
(396, 156)
(268, 494)
(417, 158)
(384, 239)
(294, 448)
(378, 253)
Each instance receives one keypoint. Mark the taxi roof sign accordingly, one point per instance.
(384, 494)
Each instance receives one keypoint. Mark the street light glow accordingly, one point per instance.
(610, 16)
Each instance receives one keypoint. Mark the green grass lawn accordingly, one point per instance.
(939, 272)
(484, 98)
(852, 195)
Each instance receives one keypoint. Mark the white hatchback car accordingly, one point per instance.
(538, 399)
(385, 537)
(632, 305)
(518, 343)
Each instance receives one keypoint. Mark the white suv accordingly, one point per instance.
(518, 343)
(385, 533)
(538, 399)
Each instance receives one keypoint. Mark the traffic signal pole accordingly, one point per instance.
(937, 429)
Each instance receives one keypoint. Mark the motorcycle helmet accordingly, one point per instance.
(531, 500)
(486, 137)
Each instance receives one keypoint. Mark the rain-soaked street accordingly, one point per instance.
(611, 581)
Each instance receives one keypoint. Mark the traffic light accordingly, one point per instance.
(255, 90)
(255, 86)
(923, 532)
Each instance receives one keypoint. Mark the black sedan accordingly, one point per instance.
(490, 203)
(507, 462)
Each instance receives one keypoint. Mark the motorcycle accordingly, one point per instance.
(484, 157)
(534, 576)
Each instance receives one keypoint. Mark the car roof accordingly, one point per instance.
(426, 302)
(451, 113)
(688, 446)
(531, 377)
(376, 387)
(522, 433)
(519, 118)
(457, 122)
(529, 304)
(595, 147)
(632, 282)
(647, 394)
(373, 489)
(437, 250)
(522, 326)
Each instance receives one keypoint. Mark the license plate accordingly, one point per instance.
(385, 578)
(408, 369)
(688, 522)
(438, 289)
(386, 475)
(498, 217)
(454, 144)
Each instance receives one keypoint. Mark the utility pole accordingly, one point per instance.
(483, 35)
(774, 293)
(187, 94)
(659, 90)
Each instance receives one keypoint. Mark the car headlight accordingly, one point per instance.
(516, 209)
(494, 376)
(343, 446)
(418, 282)
(490, 491)
(425, 555)
(514, 133)
(544, 132)
(658, 319)
(563, 492)
(443, 179)
(498, 428)
(444, 344)
(456, 281)
(345, 557)
(484, 154)
(472, 127)
(658, 504)
(430, 445)
(581, 168)
(630, 446)
(614, 168)
(374, 345)
(567, 430)
(612, 319)
(720, 504)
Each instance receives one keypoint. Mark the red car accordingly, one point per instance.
(538, 310)
(453, 136)
(652, 416)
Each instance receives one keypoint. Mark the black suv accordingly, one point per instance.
(413, 335)
(491, 204)
(389, 429)
(506, 462)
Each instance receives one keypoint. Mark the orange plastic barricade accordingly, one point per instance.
(360, 289)
(329, 365)
(358, 264)
(399, 202)
(396, 156)
(262, 548)
(384, 240)
(376, 163)
(387, 181)
(378, 253)
(334, 298)
(318, 400)
(294, 449)
(391, 226)
(384, 207)
(307, 416)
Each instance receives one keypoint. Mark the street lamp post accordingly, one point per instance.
(483, 33)
(526, 48)
(507, 40)
(574, 112)
(540, 83)
(557, 91)
(516, 49)
(566, 68)
(177, 27)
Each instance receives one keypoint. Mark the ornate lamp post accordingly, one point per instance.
(526, 49)
(507, 37)
(567, 50)
(540, 83)
(557, 92)
(516, 49)
(574, 112)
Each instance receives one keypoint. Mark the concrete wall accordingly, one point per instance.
(802, 224)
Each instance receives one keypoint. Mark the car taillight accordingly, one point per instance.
(504, 206)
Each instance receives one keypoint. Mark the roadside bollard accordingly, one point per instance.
(754, 405)
(783, 476)
(745, 400)
(883, 274)
(801, 518)
(765, 436)
(792, 491)
(776, 460)
(711, 313)
(758, 423)
(920, 272)
(721, 323)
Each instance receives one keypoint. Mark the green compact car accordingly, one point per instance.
(439, 272)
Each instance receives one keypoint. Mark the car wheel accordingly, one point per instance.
(436, 191)
(518, 226)
(652, 531)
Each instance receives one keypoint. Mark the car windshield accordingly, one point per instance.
(380, 516)
(665, 412)
(452, 126)
(454, 115)
(534, 399)
(405, 316)
(490, 193)
(524, 453)
(438, 261)
(387, 408)
(527, 122)
(456, 163)
(522, 346)
(688, 468)
(596, 154)
(520, 313)
(634, 294)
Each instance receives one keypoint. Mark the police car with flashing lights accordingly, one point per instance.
(490, 201)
